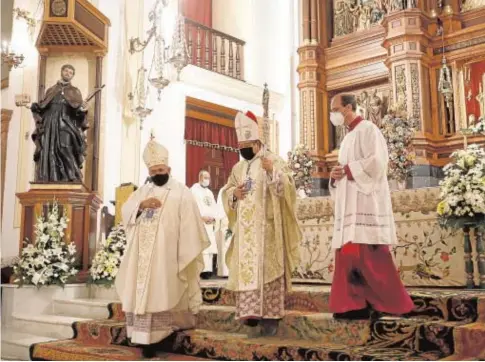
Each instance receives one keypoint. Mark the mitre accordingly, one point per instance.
(247, 128)
(155, 154)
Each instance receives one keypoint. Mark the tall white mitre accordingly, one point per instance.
(155, 154)
(247, 128)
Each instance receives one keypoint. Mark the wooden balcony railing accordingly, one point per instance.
(213, 50)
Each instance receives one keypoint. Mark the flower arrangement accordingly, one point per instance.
(107, 261)
(399, 132)
(463, 189)
(301, 165)
(50, 260)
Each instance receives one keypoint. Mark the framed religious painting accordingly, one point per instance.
(473, 78)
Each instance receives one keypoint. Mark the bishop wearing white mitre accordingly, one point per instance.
(158, 280)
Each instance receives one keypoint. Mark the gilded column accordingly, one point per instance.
(305, 21)
(407, 41)
(311, 70)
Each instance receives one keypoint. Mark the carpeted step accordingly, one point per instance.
(234, 347)
(469, 342)
(77, 350)
(444, 304)
(387, 332)
(295, 325)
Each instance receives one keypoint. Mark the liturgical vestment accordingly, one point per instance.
(158, 280)
(264, 246)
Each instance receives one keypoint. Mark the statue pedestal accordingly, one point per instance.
(81, 207)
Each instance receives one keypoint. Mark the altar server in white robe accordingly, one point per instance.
(222, 236)
(158, 279)
(208, 211)
(365, 277)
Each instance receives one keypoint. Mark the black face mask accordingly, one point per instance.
(247, 153)
(160, 179)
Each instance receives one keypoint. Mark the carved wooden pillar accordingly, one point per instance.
(313, 96)
(6, 117)
(97, 123)
(305, 20)
(409, 63)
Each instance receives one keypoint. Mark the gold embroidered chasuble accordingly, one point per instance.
(250, 264)
(158, 280)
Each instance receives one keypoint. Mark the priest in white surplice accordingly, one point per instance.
(158, 280)
(365, 276)
(208, 211)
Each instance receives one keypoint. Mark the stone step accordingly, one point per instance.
(54, 326)
(84, 308)
(103, 293)
(16, 345)
(238, 347)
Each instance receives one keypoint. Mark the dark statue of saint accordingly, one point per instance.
(59, 136)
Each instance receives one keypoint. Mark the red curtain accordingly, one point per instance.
(213, 135)
(201, 131)
(198, 10)
(195, 160)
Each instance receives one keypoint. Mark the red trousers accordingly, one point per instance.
(367, 274)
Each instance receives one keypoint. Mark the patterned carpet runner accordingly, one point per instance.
(446, 325)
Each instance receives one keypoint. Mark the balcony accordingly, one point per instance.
(214, 50)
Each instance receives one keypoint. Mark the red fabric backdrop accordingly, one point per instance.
(198, 155)
(198, 10)
(476, 73)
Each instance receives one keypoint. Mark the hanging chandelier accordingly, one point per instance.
(139, 97)
(175, 55)
(445, 84)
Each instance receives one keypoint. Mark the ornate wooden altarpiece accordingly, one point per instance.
(390, 52)
(70, 26)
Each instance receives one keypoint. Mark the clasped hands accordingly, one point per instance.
(151, 203)
(208, 220)
(337, 173)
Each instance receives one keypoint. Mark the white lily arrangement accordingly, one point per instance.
(107, 260)
(463, 188)
(49, 260)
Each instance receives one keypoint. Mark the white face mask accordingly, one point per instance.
(206, 182)
(336, 118)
